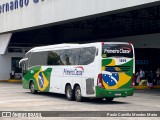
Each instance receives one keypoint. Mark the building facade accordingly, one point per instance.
(25, 15)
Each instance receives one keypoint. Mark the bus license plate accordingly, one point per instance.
(117, 94)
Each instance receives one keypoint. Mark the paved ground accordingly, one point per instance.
(14, 98)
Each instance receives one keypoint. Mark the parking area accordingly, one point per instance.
(14, 98)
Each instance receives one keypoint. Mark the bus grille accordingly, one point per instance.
(117, 68)
(90, 86)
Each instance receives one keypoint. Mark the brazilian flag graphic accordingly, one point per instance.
(114, 77)
(43, 79)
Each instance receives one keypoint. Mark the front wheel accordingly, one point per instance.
(109, 99)
(32, 88)
(78, 95)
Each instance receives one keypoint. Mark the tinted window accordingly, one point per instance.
(54, 58)
(77, 56)
(117, 50)
(64, 57)
(38, 58)
(87, 55)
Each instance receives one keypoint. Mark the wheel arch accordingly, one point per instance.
(75, 85)
(35, 83)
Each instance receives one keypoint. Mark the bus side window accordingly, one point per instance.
(54, 58)
(38, 58)
(75, 56)
(65, 56)
(87, 55)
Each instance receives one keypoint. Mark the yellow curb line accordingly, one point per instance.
(141, 87)
(157, 87)
(146, 87)
(3, 80)
(11, 81)
(14, 81)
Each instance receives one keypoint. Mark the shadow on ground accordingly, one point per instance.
(86, 100)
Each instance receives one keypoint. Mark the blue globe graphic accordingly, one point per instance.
(40, 80)
(109, 78)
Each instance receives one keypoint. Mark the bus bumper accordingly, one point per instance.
(123, 92)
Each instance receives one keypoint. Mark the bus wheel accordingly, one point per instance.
(31, 86)
(69, 93)
(78, 95)
(109, 99)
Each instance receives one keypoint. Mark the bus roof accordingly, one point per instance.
(66, 45)
(43, 48)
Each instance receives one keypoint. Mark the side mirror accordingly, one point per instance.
(21, 62)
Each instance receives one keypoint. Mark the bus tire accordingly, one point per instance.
(69, 93)
(32, 86)
(78, 95)
(109, 99)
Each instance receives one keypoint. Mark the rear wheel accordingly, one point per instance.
(78, 95)
(109, 99)
(69, 93)
(32, 88)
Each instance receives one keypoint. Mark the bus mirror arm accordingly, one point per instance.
(22, 60)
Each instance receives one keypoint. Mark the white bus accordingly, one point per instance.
(93, 70)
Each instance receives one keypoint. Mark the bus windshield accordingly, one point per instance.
(117, 50)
